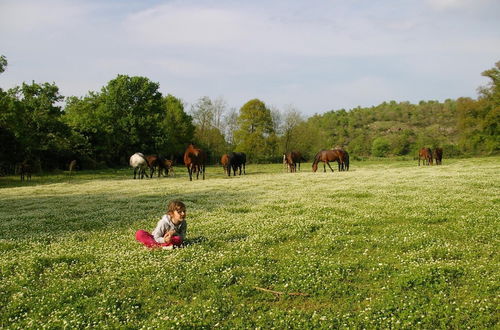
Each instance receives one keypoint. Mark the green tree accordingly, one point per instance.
(380, 147)
(125, 117)
(255, 127)
(32, 116)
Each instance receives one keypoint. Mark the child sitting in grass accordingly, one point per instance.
(170, 230)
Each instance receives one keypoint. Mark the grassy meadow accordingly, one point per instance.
(386, 245)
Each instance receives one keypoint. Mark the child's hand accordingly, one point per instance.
(168, 235)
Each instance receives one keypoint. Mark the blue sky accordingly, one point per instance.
(313, 55)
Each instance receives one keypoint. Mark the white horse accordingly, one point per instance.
(139, 163)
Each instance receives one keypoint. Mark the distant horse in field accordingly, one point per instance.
(25, 171)
(224, 161)
(426, 155)
(237, 160)
(156, 163)
(166, 166)
(286, 167)
(195, 160)
(327, 156)
(139, 163)
(293, 159)
(344, 165)
(438, 156)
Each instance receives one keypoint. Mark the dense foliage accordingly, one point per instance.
(129, 114)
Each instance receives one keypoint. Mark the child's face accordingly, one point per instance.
(178, 216)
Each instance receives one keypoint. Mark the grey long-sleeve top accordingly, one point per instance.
(164, 225)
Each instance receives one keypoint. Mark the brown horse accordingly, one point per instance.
(327, 156)
(166, 166)
(292, 160)
(195, 160)
(344, 165)
(25, 171)
(426, 155)
(224, 160)
(438, 155)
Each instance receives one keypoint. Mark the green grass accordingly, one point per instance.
(385, 245)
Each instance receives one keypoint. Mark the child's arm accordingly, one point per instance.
(160, 231)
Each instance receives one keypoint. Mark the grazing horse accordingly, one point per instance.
(195, 159)
(167, 166)
(344, 165)
(292, 159)
(237, 160)
(426, 155)
(438, 155)
(327, 156)
(224, 160)
(25, 171)
(139, 163)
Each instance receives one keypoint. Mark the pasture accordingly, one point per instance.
(388, 244)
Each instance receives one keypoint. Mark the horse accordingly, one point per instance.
(344, 165)
(426, 155)
(293, 158)
(237, 160)
(438, 155)
(167, 166)
(139, 163)
(224, 160)
(286, 167)
(25, 171)
(195, 159)
(327, 156)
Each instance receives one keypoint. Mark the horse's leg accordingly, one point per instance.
(329, 166)
(324, 166)
(189, 172)
(244, 170)
(203, 167)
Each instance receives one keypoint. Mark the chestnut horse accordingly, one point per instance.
(438, 156)
(426, 155)
(195, 159)
(224, 160)
(327, 156)
(292, 159)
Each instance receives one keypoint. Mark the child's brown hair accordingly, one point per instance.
(176, 205)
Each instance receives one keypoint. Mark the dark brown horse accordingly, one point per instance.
(237, 160)
(292, 160)
(25, 171)
(344, 165)
(166, 166)
(438, 155)
(426, 155)
(327, 156)
(195, 160)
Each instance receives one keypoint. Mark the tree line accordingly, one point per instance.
(130, 114)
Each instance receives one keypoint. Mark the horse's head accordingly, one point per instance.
(315, 167)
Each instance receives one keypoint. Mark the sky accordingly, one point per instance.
(311, 55)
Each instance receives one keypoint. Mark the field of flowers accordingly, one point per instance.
(387, 244)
